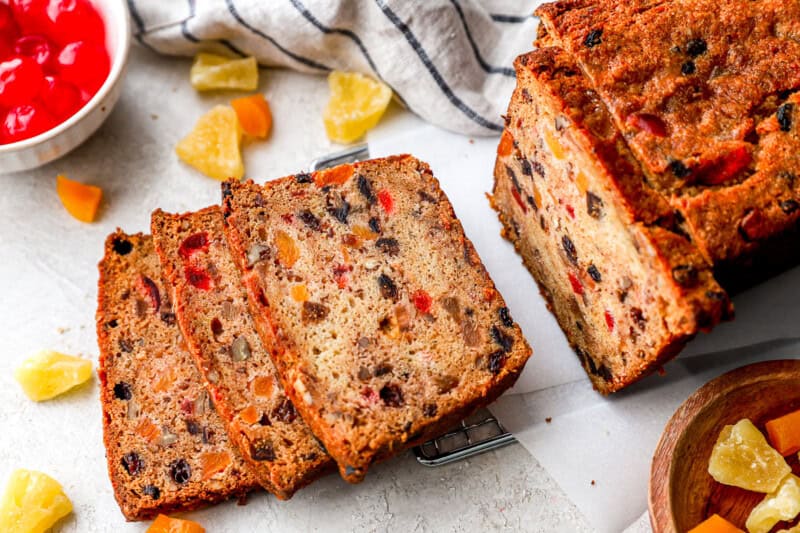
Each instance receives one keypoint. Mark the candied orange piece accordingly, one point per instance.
(555, 147)
(506, 145)
(288, 252)
(254, 115)
(365, 233)
(165, 381)
(165, 524)
(299, 293)
(249, 415)
(81, 201)
(148, 431)
(716, 524)
(32, 503)
(784, 433)
(356, 105)
(334, 176)
(212, 147)
(213, 463)
(262, 386)
(48, 374)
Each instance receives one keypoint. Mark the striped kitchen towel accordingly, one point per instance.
(449, 61)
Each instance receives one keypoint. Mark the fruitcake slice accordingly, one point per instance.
(212, 312)
(626, 285)
(387, 328)
(166, 447)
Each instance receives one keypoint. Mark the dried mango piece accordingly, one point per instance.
(356, 105)
(32, 503)
(743, 458)
(211, 71)
(81, 201)
(48, 374)
(165, 524)
(778, 506)
(254, 115)
(212, 147)
(716, 524)
(288, 252)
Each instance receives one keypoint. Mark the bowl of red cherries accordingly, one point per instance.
(61, 69)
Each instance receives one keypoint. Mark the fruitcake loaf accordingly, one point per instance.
(705, 94)
(386, 326)
(213, 314)
(627, 286)
(166, 447)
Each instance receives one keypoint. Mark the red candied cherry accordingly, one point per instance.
(21, 80)
(37, 47)
(8, 26)
(31, 15)
(74, 20)
(6, 48)
(25, 121)
(61, 98)
(84, 64)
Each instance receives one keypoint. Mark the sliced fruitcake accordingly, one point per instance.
(213, 314)
(626, 285)
(387, 327)
(167, 449)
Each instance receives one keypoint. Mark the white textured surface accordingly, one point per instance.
(47, 281)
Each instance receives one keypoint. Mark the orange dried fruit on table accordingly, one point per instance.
(784, 433)
(80, 200)
(254, 115)
(213, 146)
(288, 252)
(48, 374)
(213, 463)
(743, 458)
(211, 71)
(356, 105)
(716, 524)
(781, 505)
(33, 502)
(165, 524)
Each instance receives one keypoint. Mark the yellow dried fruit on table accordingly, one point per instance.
(781, 505)
(33, 503)
(211, 71)
(356, 105)
(742, 457)
(48, 374)
(213, 146)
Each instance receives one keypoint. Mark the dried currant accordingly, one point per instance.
(121, 246)
(388, 245)
(314, 312)
(391, 395)
(497, 360)
(688, 68)
(152, 491)
(193, 427)
(789, 206)
(505, 317)
(382, 369)
(132, 463)
(784, 115)
(125, 345)
(340, 211)
(240, 349)
(569, 249)
(594, 38)
(122, 391)
(696, 47)
(526, 167)
(309, 219)
(594, 205)
(429, 409)
(638, 318)
(264, 420)
(216, 327)
(679, 169)
(506, 342)
(375, 225)
(303, 177)
(285, 411)
(594, 273)
(180, 471)
(365, 189)
(168, 318)
(262, 450)
(388, 287)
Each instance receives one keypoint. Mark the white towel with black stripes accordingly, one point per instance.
(449, 61)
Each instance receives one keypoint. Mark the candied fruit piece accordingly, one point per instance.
(334, 176)
(210, 71)
(506, 145)
(555, 147)
(781, 505)
(386, 201)
(795, 529)
(249, 415)
(213, 463)
(81, 201)
(48, 374)
(716, 524)
(364, 232)
(165, 524)
(262, 386)
(212, 147)
(254, 115)
(356, 105)
(299, 293)
(743, 458)
(33, 503)
(148, 431)
(288, 252)
(784, 433)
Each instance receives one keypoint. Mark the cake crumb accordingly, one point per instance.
(153, 116)
(472, 141)
(61, 330)
(594, 483)
(548, 419)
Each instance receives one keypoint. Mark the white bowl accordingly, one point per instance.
(54, 143)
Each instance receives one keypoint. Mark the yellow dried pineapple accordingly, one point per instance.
(356, 105)
(213, 146)
(32, 503)
(48, 374)
(210, 71)
(783, 504)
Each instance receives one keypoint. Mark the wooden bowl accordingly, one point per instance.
(682, 493)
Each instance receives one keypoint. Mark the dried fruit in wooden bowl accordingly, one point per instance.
(784, 433)
(716, 524)
(781, 505)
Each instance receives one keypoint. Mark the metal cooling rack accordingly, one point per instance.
(476, 434)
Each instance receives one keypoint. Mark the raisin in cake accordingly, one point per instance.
(387, 328)
(212, 312)
(167, 448)
(626, 285)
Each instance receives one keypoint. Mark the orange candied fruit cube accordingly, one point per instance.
(262, 386)
(148, 431)
(334, 176)
(254, 115)
(506, 145)
(716, 524)
(784, 433)
(299, 293)
(214, 463)
(165, 524)
(288, 252)
(81, 201)
(249, 415)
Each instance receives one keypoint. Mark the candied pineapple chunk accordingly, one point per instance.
(165, 524)
(356, 105)
(795, 529)
(716, 524)
(32, 503)
(81, 201)
(743, 458)
(212, 147)
(783, 504)
(48, 374)
(210, 71)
